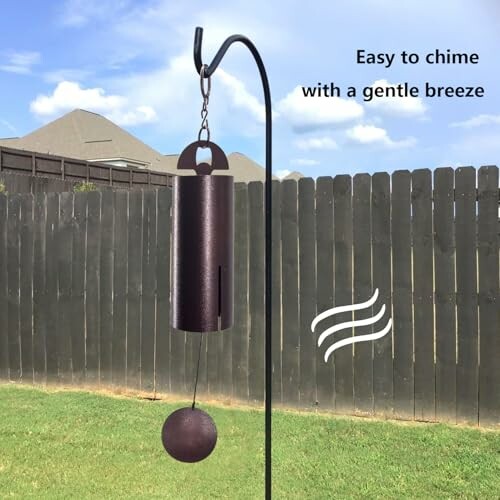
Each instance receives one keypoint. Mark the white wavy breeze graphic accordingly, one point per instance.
(351, 324)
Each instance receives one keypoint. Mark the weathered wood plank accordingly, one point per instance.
(4, 330)
(489, 310)
(13, 299)
(39, 287)
(163, 291)
(64, 259)
(106, 314)
(307, 293)
(276, 327)
(290, 292)
(402, 295)
(26, 288)
(383, 386)
(78, 287)
(425, 380)
(362, 269)
(467, 331)
(240, 336)
(120, 263)
(135, 236)
(325, 372)
(342, 225)
(256, 291)
(51, 278)
(92, 277)
(444, 266)
(148, 312)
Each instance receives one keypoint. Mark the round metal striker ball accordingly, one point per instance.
(189, 435)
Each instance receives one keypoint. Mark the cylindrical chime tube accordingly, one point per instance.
(202, 259)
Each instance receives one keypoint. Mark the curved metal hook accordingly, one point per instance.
(198, 39)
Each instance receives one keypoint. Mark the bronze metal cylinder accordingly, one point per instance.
(202, 253)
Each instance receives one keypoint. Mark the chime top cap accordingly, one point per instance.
(187, 159)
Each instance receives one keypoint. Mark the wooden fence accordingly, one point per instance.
(84, 294)
(59, 171)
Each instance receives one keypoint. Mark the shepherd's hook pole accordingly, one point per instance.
(209, 70)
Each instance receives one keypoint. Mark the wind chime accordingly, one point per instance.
(202, 273)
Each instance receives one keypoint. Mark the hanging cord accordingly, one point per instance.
(197, 371)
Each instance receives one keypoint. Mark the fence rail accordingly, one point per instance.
(85, 277)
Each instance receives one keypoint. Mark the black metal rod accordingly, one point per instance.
(209, 70)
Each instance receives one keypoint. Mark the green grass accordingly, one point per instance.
(83, 445)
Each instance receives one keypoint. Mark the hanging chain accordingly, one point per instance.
(204, 109)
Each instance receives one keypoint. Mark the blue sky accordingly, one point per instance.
(132, 62)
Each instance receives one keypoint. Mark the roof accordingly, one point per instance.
(293, 175)
(89, 136)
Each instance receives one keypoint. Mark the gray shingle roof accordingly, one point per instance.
(89, 136)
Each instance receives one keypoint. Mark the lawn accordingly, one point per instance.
(68, 444)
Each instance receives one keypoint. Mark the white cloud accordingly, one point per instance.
(240, 97)
(306, 162)
(78, 13)
(403, 106)
(71, 74)
(69, 95)
(283, 173)
(316, 143)
(20, 62)
(173, 91)
(371, 135)
(307, 113)
(477, 121)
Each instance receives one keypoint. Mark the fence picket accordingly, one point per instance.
(119, 274)
(162, 365)
(39, 295)
(51, 278)
(342, 226)
(256, 291)
(134, 289)
(4, 329)
(106, 315)
(325, 372)
(444, 265)
(64, 253)
(26, 288)
(290, 292)
(148, 312)
(362, 269)
(467, 333)
(276, 294)
(402, 295)
(79, 230)
(241, 279)
(307, 292)
(425, 407)
(92, 276)
(489, 318)
(13, 300)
